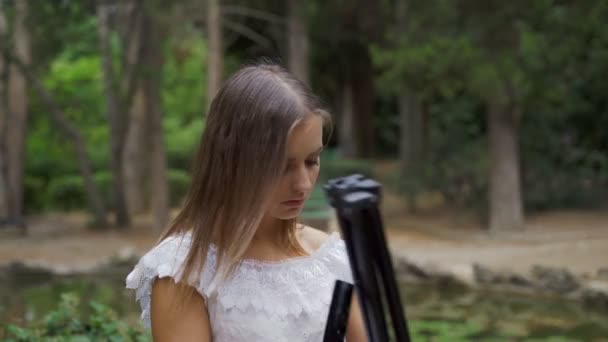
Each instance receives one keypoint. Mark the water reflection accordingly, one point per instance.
(437, 311)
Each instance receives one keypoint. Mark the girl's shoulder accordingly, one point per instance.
(167, 260)
(311, 238)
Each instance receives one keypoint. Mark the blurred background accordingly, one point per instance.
(486, 122)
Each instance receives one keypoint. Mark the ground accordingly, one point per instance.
(575, 240)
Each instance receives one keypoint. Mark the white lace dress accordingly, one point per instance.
(264, 301)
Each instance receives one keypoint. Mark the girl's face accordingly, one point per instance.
(304, 146)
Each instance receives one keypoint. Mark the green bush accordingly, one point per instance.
(34, 188)
(50, 156)
(63, 324)
(333, 166)
(179, 183)
(103, 179)
(66, 193)
(182, 141)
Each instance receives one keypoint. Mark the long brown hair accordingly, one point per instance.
(241, 156)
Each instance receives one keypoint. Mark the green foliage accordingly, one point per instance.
(184, 85)
(457, 166)
(434, 66)
(333, 166)
(179, 183)
(66, 192)
(546, 57)
(452, 56)
(74, 80)
(182, 141)
(33, 188)
(58, 27)
(76, 87)
(63, 324)
(443, 330)
(103, 179)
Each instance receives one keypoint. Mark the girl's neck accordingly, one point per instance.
(269, 231)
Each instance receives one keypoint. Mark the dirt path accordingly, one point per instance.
(63, 243)
(577, 241)
(581, 249)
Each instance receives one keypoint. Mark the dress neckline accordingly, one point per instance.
(327, 244)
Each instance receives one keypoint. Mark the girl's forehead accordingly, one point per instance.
(307, 135)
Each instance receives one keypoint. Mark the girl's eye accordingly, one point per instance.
(312, 163)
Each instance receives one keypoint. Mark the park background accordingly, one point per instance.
(485, 121)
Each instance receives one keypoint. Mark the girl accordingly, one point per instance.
(234, 265)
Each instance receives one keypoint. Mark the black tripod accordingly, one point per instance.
(356, 200)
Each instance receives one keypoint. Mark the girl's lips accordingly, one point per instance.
(294, 203)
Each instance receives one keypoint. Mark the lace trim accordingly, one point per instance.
(280, 288)
(331, 239)
(290, 288)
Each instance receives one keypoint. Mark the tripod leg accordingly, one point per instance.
(364, 273)
(337, 319)
(372, 220)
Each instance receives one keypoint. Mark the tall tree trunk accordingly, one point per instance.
(152, 64)
(506, 208)
(17, 115)
(3, 118)
(298, 51)
(410, 144)
(411, 122)
(115, 119)
(347, 134)
(133, 103)
(358, 95)
(215, 60)
(58, 118)
(410, 109)
(363, 102)
(133, 158)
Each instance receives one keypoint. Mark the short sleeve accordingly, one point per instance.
(164, 260)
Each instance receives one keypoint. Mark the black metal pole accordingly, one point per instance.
(335, 330)
(356, 200)
(364, 275)
(372, 218)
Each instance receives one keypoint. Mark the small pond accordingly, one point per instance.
(436, 311)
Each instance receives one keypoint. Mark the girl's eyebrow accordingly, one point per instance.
(318, 151)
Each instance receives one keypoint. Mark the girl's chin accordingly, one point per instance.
(288, 214)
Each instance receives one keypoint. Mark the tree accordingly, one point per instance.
(215, 60)
(506, 205)
(3, 120)
(298, 51)
(421, 63)
(58, 118)
(133, 157)
(114, 113)
(500, 82)
(350, 25)
(411, 145)
(152, 61)
(16, 120)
